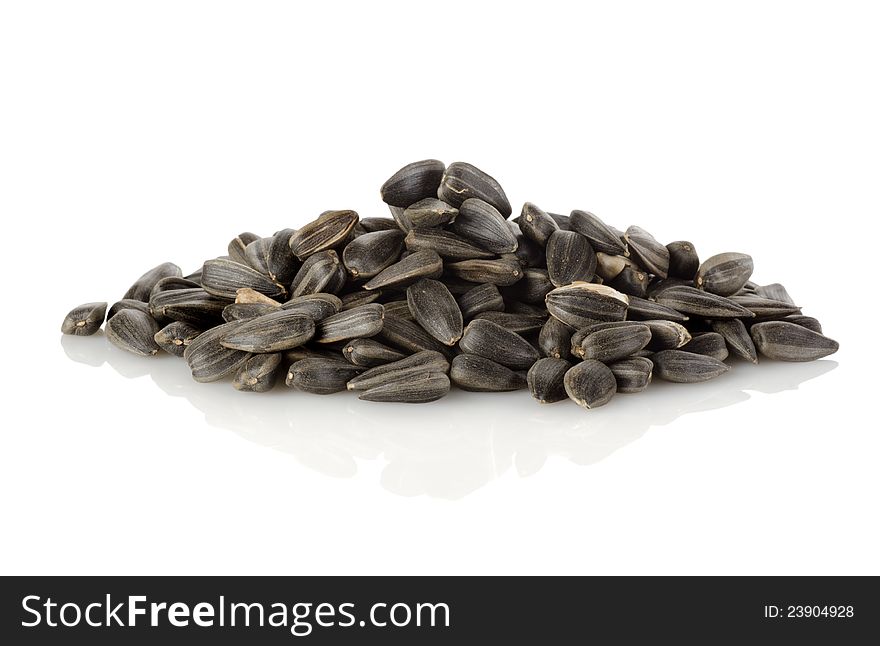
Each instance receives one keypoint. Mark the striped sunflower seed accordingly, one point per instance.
(492, 341)
(281, 264)
(536, 225)
(533, 287)
(633, 374)
(172, 283)
(409, 336)
(258, 374)
(84, 320)
(316, 274)
(133, 331)
(514, 321)
(363, 321)
(649, 254)
(590, 384)
(398, 309)
(483, 225)
(580, 304)
(370, 253)
(257, 254)
(462, 181)
(209, 360)
(503, 271)
(273, 332)
(608, 343)
(328, 231)
(570, 258)
(710, 344)
(786, 341)
(246, 311)
(690, 300)
(642, 309)
(805, 321)
(478, 374)
(447, 244)
(546, 380)
(237, 245)
(774, 292)
(631, 281)
(436, 310)
(420, 388)
(737, 338)
(418, 363)
(321, 376)
(430, 212)
(140, 290)
(482, 298)
(667, 335)
(418, 265)
(363, 297)
(371, 225)
(725, 274)
(686, 367)
(223, 278)
(412, 183)
(194, 306)
(248, 295)
(175, 337)
(369, 353)
(602, 237)
(683, 260)
(764, 307)
(131, 304)
(554, 340)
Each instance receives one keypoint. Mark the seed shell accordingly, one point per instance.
(329, 230)
(492, 341)
(602, 237)
(611, 343)
(209, 360)
(546, 380)
(258, 374)
(421, 264)
(420, 388)
(84, 320)
(482, 298)
(710, 344)
(554, 340)
(590, 384)
(737, 338)
(175, 337)
(462, 181)
(690, 300)
(686, 367)
(223, 278)
(633, 374)
(363, 321)
(133, 331)
(316, 274)
(580, 304)
(536, 224)
(504, 271)
(418, 363)
(570, 258)
(370, 253)
(786, 341)
(683, 260)
(478, 374)
(725, 274)
(273, 332)
(140, 290)
(430, 212)
(436, 310)
(412, 183)
(321, 376)
(649, 254)
(369, 353)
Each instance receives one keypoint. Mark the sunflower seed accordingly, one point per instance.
(430, 212)
(633, 375)
(483, 225)
(775, 292)
(554, 340)
(418, 363)
(562, 221)
(370, 253)
(737, 338)
(683, 260)
(690, 300)
(363, 297)
(258, 374)
(533, 287)
(610, 343)
(84, 320)
(436, 310)
(248, 295)
(271, 332)
(409, 336)
(804, 321)
(420, 388)
(368, 353)
(315, 274)
(710, 344)
(133, 331)
(725, 274)
(421, 264)
(764, 307)
(246, 311)
(660, 285)
(631, 281)
(400, 218)
(140, 290)
(647, 252)
(479, 374)
(462, 181)
(446, 244)
(362, 321)
(546, 380)
(667, 335)
(580, 304)
(208, 359)
(786, 341)
(413, 182)
(319, 305)
(514, 321)
(536, 225)
(504, 271)
(329, 230)
(686, 367)
(131, 304)
(175, 337)
(528, 252)
(398, 309)
(223, 278)
(490, 340)
(371, 225)
(608, 266)
(257, 254)
(639, 308)
(321, 376)
(280, 261)
(602, 237)
(570, 258)
(590, 384)
(194, 306)
(237, 245)
(172, 283)
(482, 298)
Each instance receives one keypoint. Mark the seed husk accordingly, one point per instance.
(648, 254)
(369, 353)
(462, 181)
(130, 304)
(418, 265)
(85, 319)
(482, 224)
(774, 291)
(172, 283)
(237, 245)
(725, 273)
(319, 305)
(140, 290)
(514, 321)
(194, 306)
(258, 374)
(363, 297)
(280, 261)
(503, 271)
(667, 335)
(580, 304)
(371, 225)
(764, 307)
(133, 331)
(570, 258)
(710, 344)
(631, 281)
(209, 360)
(686, 367)
(223, 278)
(533, 287)
(554, 340)
(370, 253)
(528, 252)
(737, 338)
(329, 230)
(273, 332)
(447, 244)
(805, 321)
(546, 380)
(786, 341)
(493, 341)
(246, 311)
(430, 212)
(613, 342)
(363, 321)
(418, 363)
(478, 374)
(536, 224)
(321, 376)
(248, 295)
(482, 298)
(398, 309)
(683, 260)
(608, 266)
(257, 254)
(690, 300)
(602, 237)
(316, 274)
(413, 182)
(420, 388)
(436, 310)
(633, 374)
(642, 309)
(590, 384)
(175, 337)
(409, 336)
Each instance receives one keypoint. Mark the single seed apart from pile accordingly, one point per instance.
(84, 320)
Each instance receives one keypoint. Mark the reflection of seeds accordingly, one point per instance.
(686, 367)
(84, 320)
(133, 331)
(633, 375)
(546, 380)
(479, 374)
(590, 384)
(785, 341)
(258, 374)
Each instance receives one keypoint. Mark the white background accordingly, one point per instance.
(134, 133)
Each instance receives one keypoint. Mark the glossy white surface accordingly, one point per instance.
(133, 137)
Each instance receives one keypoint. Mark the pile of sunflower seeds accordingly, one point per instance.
(450, 291)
